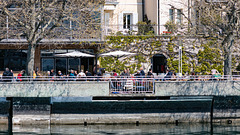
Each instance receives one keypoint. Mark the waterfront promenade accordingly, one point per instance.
(100, 87)
(150, 100)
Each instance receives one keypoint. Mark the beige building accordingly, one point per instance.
(162, 11)
(123, 15)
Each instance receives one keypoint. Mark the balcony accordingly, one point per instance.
(110, 4)
(111, 1)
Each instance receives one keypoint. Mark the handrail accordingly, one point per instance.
(108, 78)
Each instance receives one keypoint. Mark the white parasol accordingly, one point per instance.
(75, 54)
(117, 54)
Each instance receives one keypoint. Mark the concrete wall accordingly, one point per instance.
(110, 112)
(91, 89)
(197, 88)
(54, 89)
(4, 110)
(81, 110)
(94, 89)
(226, 108)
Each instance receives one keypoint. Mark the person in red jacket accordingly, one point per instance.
(19, 76)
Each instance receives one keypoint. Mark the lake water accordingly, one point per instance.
(156, 129)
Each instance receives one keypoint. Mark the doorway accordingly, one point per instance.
(159, 63)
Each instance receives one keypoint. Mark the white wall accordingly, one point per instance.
(151, 9)
(165, 5)
(134, 7)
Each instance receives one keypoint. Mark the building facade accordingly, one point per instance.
(115, 16)
(122, 16)
(74, 33)
(162, 11)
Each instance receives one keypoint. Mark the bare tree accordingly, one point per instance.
(35, 20)
(220, 19)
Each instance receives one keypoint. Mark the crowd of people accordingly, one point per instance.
(139, 73)
(8, 75)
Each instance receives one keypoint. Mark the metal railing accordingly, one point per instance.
(122, 84)
(131, 85)
(109, 78)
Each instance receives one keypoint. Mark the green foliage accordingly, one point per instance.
(119, 33)
(145, 27)
(173, 60)
(135, 43)
(209, 58)
(111, 63)
(170, 26)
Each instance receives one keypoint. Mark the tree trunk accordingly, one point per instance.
(228, 63)
(228, 57)
(30, 59)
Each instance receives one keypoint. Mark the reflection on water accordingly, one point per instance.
(156, 129)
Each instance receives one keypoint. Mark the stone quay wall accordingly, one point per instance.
(197, 88)
(74, 103)
(96, 89)
(54, 89)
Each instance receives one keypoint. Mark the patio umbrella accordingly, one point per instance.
(75, 54)
(117, 54)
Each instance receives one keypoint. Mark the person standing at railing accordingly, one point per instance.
(59, 75)
(168, 75)
(34, 74)
(150, 74)
(88, 75)
(124, 76)
(19, 76)
(142, 72)
(24, 75)
(12, 78)
(81, 75)
(75, 73)
(52, 74)
(114, 73)
(138, 75)
(124, 73)
(7, 75)
(192, 76)
(72, 75)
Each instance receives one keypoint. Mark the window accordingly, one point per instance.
(127, 21)
(13, 59)
(171, 15)
(47, 64)
(50, 61)
(179, 16)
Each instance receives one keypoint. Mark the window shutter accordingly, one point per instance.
(135, 21)
(120, 22)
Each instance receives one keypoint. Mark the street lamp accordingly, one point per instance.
(180, 58)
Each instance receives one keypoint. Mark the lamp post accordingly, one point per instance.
(180, 58)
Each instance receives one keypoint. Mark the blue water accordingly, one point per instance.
(156, 129)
